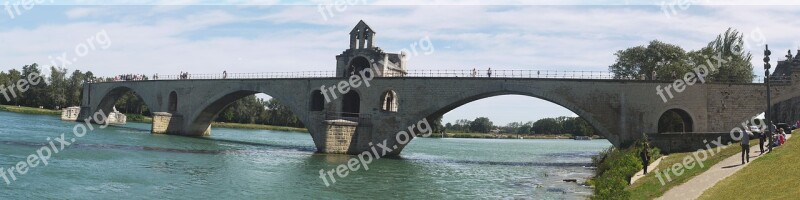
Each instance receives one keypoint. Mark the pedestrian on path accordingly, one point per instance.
(489, 72)
(745, 147)
(645, 156)
(762, 137)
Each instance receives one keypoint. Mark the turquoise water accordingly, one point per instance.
(129, 162)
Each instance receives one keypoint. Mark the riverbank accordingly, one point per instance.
(257, 126)
(506, 136)
(29, 110)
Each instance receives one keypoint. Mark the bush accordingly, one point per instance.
(615, 167)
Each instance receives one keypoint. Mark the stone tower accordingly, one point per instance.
(363, 54)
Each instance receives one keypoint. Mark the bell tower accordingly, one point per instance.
(363, 55)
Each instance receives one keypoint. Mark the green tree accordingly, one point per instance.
(481, 125)
(547, 126)
(577, 126)
(730, 46)
(668, 61)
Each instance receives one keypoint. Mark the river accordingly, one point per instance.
(128, 162)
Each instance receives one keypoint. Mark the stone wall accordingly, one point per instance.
(687, 142)
(161, 122)
(339, 133)
(70, 113)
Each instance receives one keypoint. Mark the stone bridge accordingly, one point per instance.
(394, 99)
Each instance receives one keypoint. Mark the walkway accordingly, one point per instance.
(650, 168)
(695, 187)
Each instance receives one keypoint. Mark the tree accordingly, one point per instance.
(659, 57)
(57, 90)
(577, 126)
(670, 62)
(547, 126)
(730, 46)
(481, 125)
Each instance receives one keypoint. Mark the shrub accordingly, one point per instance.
(615, 167)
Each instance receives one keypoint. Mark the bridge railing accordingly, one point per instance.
(555, 74)
(543, 74)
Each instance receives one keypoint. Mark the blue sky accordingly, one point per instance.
(167, 37)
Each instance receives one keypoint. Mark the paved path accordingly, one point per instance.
(650, 169)
(695, 187)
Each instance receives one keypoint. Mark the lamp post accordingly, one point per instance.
(769, 103)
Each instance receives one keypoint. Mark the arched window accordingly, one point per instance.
(675, 120)
(389, 101)
(317, 101)
(173, 102)
(351, 104)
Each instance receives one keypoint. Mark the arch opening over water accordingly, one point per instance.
(514, 115)
(125, 100)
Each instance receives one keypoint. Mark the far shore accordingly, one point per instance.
(145, 119)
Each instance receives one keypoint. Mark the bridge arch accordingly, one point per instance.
(111, 97)
(215, 105)
(588, 117)
(675, 120)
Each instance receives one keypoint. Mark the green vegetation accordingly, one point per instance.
(671, 62)
(503, 136)
(573, 126)
(257, 126)
(60, 93)
(649, 187)
(138, 118)
(615, 167)
(773, 176)
(29, 110)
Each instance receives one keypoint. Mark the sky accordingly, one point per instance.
(167, 37)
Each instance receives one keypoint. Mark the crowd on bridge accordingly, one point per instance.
(131, 77)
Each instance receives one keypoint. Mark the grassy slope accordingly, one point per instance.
(650, 187)
(774, 176)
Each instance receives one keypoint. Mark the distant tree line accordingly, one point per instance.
(62, 91)
(559, 125)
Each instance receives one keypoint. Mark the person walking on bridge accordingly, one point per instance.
(489, 72)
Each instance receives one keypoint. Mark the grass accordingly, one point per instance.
(257, 126)
(649, 187)
(773, 176)
(29, 110)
